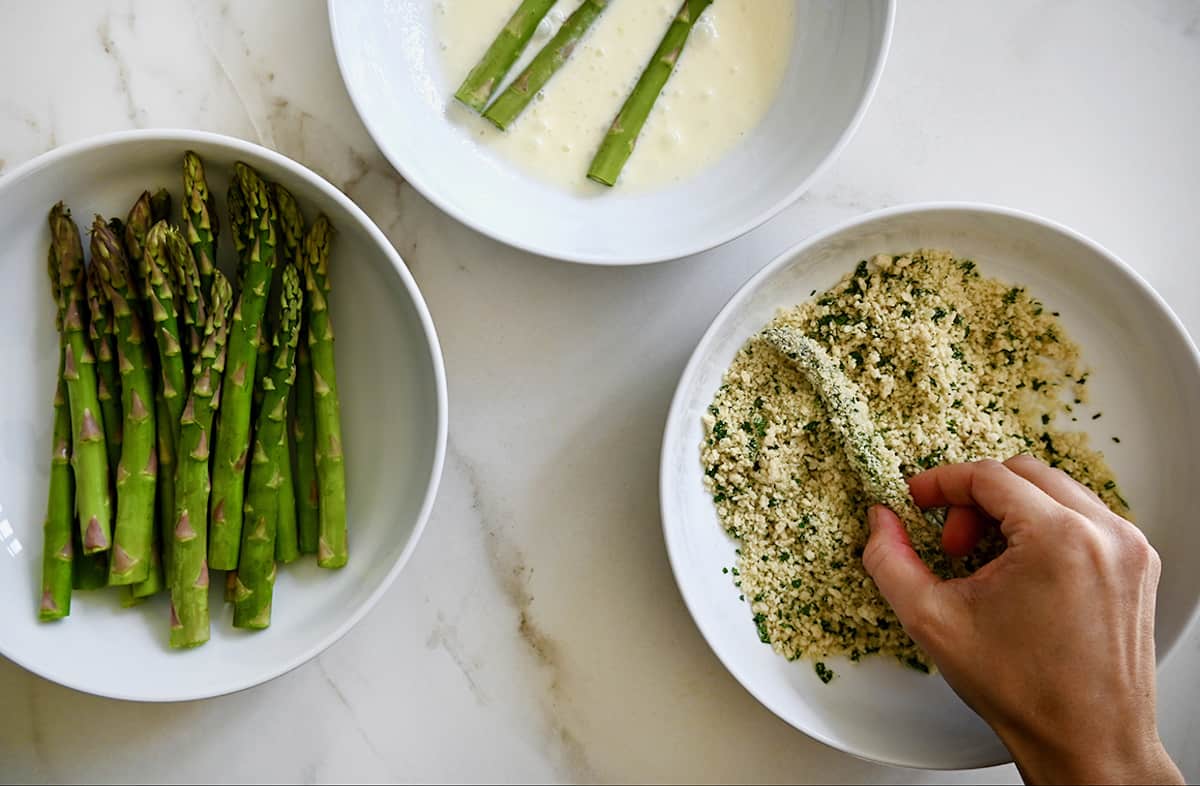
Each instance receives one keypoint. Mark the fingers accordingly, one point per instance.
(903, 579)
(963, 528)
(997, 490)
(1058, 484)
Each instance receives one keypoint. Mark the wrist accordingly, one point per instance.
(1079, 757)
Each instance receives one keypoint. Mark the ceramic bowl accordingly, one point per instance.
(393, 395)
(1146, 381)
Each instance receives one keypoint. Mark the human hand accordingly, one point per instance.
(1052, 643)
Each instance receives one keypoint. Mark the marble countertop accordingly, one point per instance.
(537, 634)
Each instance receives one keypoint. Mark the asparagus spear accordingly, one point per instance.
(505, 109)
(877, 465)
(254, 235)
(200, 221)
(160, 206)
(138, 471)
(90, 458)
(137, 226)
(189, 566)
(622, 135)
(256, 564)
(89, 571)
(287, 539)
(108, 377)
(510, 42)
(303, 436)
(59, 526)
(331, 470)
(164, 250)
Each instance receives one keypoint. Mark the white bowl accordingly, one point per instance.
(1146, 381)
(389, 57)
(393, 394)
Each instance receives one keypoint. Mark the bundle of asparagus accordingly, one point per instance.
(625, 129)
(154, 343)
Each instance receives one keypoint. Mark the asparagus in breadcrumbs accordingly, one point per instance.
(138, 471)
(252, 213)
(89, 455)
(189, 550)
(877, 465)
(256, 566)
(331, 469)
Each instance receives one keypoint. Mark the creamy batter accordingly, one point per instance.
(725, 82)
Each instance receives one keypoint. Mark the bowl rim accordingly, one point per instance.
(686, 248)
(241, 147)
(676, 424)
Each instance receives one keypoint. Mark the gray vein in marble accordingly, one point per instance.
(513, 575)
(341, 697)
(37, 732)
(224, 72)
(444, 636)
(110, 49)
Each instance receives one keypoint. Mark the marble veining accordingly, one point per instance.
(536, 635)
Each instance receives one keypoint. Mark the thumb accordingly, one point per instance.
(903, 579)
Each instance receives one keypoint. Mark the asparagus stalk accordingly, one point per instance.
(303, 434)
(101, 330)
(59, 526)
(200, 221)
(512, 102)
(877, 465)
(511, 41)
(166, 252)
(622, 135)
(89, 571)
(90, 457)
(256, 564)
(138, 470)
(189, 566)
(190, 299)
(160, 206)
(254, 234)
(287, 539)
(331, 470)
(137, 226)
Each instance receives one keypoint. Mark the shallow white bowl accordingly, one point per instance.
(389, 57)
(393, 394)
(1146, 382)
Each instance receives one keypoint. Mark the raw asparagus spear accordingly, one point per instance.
(163, 251)
(331, 470)
(254, 234)
(287, 539)
(89, 571)
(137, 226)
(505, 109)
(160, 206)
(200, 221)
(101, 330)
(190, 299)
(57, 530)
(511, 41)
(88, 454)
(622, 135)
(877, 465)
(303, 434)
(256, 564)
(189, 565)
(138, 471)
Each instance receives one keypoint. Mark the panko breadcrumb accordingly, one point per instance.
(954, 367)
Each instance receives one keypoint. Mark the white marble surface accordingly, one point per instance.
(537, 634)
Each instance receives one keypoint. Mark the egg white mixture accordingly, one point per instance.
(723, 85)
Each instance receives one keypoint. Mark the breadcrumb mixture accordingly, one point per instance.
(954, 367)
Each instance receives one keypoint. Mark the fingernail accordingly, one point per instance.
(873, 517)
